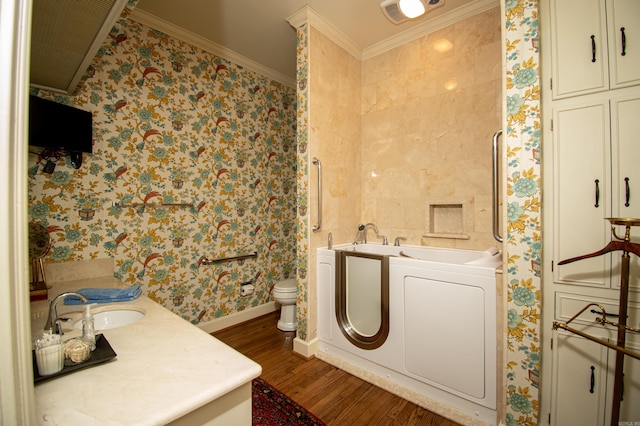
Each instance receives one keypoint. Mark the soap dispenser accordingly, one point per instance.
(88, 332)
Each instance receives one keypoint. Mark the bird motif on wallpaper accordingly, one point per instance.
(114, 244)
(219, 226)
(113, 108)
(254, 186)
(218, 174)
(145, 73)
(146, 199)
(196, 209)
(271, 110)
(117, 39)
(219, 71)
(146, 263)
(255, 137)
(255, 231)
(113, 176)
(197, 153)
(195, 98)
(219, 121)
(272, 199)
(146, 136)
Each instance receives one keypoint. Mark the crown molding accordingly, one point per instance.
(308, 15)
(429, 26)
(173, 30)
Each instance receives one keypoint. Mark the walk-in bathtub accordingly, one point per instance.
(427, 334)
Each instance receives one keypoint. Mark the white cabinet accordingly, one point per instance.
(595, 45)
(583, 382)
(596, 150)
(591, 171)
(629, 406)
(579, 383)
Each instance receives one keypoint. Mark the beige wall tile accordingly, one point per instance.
(429, 110)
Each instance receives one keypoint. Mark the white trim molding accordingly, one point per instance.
(173, 30)
(238, 317)
(429, 26)
(17, 399)
(306, 349)
(308, 15)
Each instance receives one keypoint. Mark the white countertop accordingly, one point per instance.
(165, 368)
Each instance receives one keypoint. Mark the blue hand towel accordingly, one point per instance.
(105, 295)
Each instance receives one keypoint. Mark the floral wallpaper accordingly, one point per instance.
(523, 240)
(302, 94)
(194, 157)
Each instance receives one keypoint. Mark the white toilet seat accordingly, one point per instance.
(286, 286)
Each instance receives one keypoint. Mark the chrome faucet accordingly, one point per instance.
(397, 241)
(361, 234)
(364, 231)
(53, 323)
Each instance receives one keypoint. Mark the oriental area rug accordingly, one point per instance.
(270, 407)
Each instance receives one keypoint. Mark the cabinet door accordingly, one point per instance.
(625, 136)
(629, 407)
(580, 62)
(579, 381)
(624, 42)
(581, 191)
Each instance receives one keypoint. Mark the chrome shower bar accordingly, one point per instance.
(496, 189)
(317, 162)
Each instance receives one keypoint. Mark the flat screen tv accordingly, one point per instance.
(59, 127)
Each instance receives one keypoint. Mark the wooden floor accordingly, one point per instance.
(333, 395)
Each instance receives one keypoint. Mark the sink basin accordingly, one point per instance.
(113, 319)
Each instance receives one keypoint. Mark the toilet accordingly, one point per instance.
(285, 292)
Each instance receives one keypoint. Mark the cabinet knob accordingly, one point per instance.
(597, 182)
(624, 42)
(593, 48)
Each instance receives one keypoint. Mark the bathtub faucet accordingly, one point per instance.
(375, 229)
(361, 234)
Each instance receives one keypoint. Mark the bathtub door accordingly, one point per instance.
(362, 298)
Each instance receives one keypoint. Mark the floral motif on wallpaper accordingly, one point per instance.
(176, 125)
(302, 57)
(523, 241)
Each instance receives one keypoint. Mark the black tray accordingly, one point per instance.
(102, 353)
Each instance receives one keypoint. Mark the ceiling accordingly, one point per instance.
(258, 29)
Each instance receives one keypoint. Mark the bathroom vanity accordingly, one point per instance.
(166, 371)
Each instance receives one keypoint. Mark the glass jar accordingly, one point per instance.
(49, 353)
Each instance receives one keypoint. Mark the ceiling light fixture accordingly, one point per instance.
(411, 8)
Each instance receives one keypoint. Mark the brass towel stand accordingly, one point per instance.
(627, 247)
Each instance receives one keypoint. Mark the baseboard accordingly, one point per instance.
(304, 349)
(238, 317)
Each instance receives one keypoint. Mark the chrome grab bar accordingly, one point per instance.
(206, 261)
(316, 162)
(496, 189)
